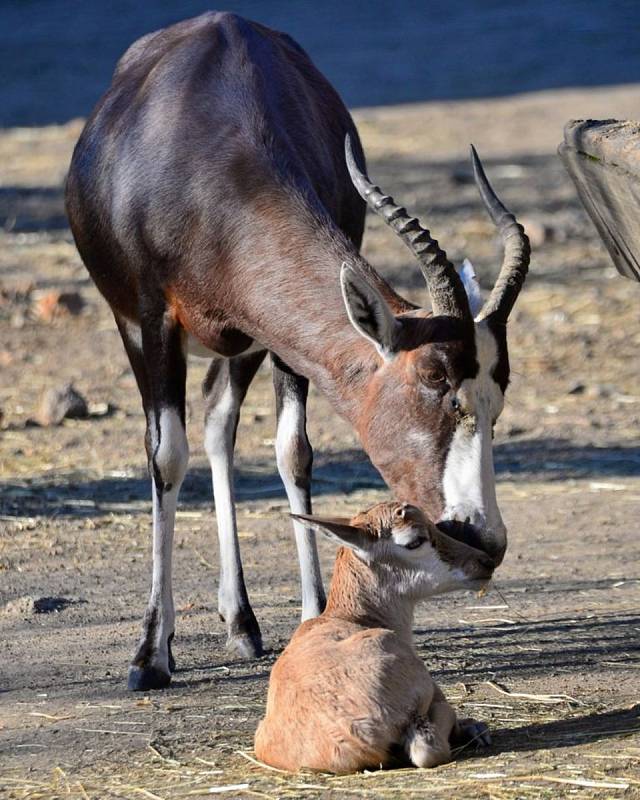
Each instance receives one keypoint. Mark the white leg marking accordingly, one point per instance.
(170, 457)
(133, 331)
(290, 432)
(218, 443)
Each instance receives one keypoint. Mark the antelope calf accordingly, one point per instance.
(349, 692)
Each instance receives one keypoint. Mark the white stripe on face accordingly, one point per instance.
(469, 478)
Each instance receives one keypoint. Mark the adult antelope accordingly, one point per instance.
(210, 201)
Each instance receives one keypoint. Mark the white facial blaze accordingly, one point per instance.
(469, 477)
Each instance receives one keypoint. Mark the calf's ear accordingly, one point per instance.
(339, 530)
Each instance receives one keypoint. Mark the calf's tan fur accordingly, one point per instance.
(349, 692)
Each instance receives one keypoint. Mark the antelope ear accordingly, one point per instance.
(369, 313)
(339, 530)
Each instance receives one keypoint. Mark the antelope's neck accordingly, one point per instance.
(369, 595)
(292, 302)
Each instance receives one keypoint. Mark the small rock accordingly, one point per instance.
(58, 404)
(577, 388)
(101, 409)
(18, 319)
(52, 304)
(27, 606)
(17, 294)
(515, 430)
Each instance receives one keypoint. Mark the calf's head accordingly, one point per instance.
(423, 560)
(434, 398)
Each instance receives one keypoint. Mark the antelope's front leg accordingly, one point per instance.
(160, 369)
(224, 388)
(295, 457)
(427, 739)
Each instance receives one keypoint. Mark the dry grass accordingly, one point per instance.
(566, 747)
(564, 642)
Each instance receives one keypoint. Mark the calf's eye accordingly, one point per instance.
(416, 543)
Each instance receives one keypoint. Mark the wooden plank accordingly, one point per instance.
(603, 159)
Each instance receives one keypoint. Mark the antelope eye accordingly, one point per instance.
(435, 376)
(399, 512)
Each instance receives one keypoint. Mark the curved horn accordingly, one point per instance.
(517, 250)
(448, 296)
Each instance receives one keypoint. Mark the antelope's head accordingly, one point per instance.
(438, 388)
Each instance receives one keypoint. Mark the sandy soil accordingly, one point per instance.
(549, 658)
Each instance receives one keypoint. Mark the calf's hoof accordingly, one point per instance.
(472, 733)
(144, 679)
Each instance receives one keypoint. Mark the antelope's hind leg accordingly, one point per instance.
(158, 361)
(295, 457)
(224, 389)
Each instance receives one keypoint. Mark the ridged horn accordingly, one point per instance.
(517, 250)
(448, 297)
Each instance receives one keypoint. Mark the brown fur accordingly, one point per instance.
(240, 223)
(349, 691)
(210, 199)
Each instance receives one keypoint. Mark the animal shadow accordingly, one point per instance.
(584, 729)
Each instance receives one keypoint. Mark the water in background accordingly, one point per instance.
(58, 55)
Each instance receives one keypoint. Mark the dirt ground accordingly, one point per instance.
(550, 657)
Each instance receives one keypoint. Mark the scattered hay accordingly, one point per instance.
(590, 764)
(535, 698)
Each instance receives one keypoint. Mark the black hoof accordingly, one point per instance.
(243, 635)
(144, 679)
(245, 646)
(470, 732)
